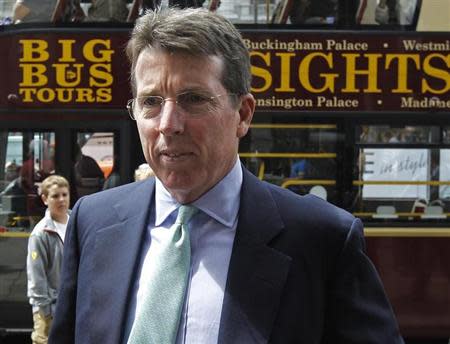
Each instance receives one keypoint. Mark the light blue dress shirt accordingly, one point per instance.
(212, 233)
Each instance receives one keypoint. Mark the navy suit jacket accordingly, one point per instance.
(298, 272)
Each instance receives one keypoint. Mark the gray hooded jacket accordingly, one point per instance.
(44, 259)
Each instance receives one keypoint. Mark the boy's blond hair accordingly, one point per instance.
(54, 179)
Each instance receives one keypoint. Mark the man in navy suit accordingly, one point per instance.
(266, 265)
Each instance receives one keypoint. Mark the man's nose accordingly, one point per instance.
(171, 119)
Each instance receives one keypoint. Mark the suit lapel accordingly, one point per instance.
(257, 273)
(117, 253)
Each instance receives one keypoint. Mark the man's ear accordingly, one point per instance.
(44, 199)
(246, 110)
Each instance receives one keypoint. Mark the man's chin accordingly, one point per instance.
(179, 186)
(184, 189)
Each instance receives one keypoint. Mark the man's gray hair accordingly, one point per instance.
(196, 32)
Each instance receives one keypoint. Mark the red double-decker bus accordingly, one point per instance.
(356, 114)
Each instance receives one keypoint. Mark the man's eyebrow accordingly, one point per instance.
(188, 89)
(146, 93)
(148, 90)
(194, 89)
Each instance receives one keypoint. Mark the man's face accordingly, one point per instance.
(189, 154)
(57, 201)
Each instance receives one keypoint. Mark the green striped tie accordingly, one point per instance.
(159, 310)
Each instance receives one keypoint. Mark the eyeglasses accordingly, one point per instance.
(189, 103)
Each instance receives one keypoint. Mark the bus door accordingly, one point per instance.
(95, 162)
(26, 158)
(91, 155)
(96, 156)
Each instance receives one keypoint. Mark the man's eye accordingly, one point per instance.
(192, 98)
(152, 101)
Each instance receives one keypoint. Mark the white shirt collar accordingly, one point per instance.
(221, 202)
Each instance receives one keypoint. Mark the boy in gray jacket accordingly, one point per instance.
(45, 250)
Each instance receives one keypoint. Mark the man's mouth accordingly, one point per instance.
(176, 155)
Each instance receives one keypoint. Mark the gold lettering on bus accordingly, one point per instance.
(66, 50)
(304, 73)
(371, 72)
(437, 73)
(402, 69)
(68, 72)
(68, 75)
(34, 50)
(260, 72)
(104, 95)
(90, 53)
(100, 75)
(65, 95)
(285, 73)
(319, 72)
(33, 75)
(27, 94)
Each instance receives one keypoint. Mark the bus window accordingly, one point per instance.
(394, 166)
(314, 12)
(384, 12)
(6, 11)
(402, 173)
(444, 174)
(446, 135)
(295, 156)
(27, 160)
(385, 134)
(434, 16)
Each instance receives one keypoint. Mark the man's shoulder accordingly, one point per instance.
(309, 209)
(305, 221)
(103, 204)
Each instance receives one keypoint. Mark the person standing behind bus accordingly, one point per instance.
(89, 177)
(404, 12)
(141, 6)
(45, 250)
(33, 11)
(107, 11)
